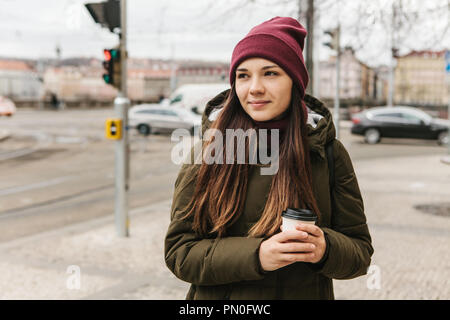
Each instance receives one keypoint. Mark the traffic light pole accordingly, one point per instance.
(121, 105)
(338, 81)
(448, 111)
(112, 14)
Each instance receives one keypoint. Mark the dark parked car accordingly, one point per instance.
(399, 122)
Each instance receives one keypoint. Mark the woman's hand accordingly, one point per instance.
(305, 244)
(315, 237)
(283, 249)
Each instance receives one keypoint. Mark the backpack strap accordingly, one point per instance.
(330, 160)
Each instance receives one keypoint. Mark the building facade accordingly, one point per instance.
(381, 84)
(192, 72)
(78, 84)
(79, 81)
(84, 83)
(420, 79)
(357, 80)
(148, 80)
(19, 81)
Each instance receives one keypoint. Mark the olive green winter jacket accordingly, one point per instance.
(229, 267)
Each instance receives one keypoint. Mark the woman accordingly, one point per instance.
(225, 234)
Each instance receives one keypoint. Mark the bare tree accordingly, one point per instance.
(372, 28)
(410, 24)
(405, 25)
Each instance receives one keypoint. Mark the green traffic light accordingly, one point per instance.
(114, 53)
(107, 78)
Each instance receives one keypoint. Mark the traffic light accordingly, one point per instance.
(107, 14)
(112, 66)
(334, 39)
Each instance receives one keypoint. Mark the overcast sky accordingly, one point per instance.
(199, 29)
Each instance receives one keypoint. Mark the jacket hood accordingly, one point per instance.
(320, 125)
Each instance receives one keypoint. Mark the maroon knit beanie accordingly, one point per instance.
(281, 40)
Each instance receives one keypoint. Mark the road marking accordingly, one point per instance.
(16, 153)
(85, 226)
(43, 184)
(417, 185)
(23, 211)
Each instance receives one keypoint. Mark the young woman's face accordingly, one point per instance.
(263, 88)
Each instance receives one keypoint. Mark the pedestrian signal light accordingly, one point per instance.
(113, 129)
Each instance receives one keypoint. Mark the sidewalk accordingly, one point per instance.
(411, 259)
(4, 134)
(445, 159)
(110, 267)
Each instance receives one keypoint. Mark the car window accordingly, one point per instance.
(146, 111)
(388, 117)
(168, 113)
(417, 116)
(412, 118)
(161, 112)
(178, 98)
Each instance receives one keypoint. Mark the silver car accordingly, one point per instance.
(154, 118)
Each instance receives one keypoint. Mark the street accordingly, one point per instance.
(57, 170)
(66, 172)
(84, 215)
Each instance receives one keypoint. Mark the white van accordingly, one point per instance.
(195, 96)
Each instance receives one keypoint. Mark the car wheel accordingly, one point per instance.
(372, 136)
(443, 138)
(144, 129)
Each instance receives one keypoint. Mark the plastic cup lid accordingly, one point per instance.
(299, 214)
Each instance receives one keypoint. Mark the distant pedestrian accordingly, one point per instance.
(225, 235)
(54, 101)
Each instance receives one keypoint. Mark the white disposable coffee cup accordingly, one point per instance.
(292, 217)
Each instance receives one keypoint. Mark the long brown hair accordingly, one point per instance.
(221, 189)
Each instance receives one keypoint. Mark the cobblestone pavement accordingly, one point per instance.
(411, 259)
